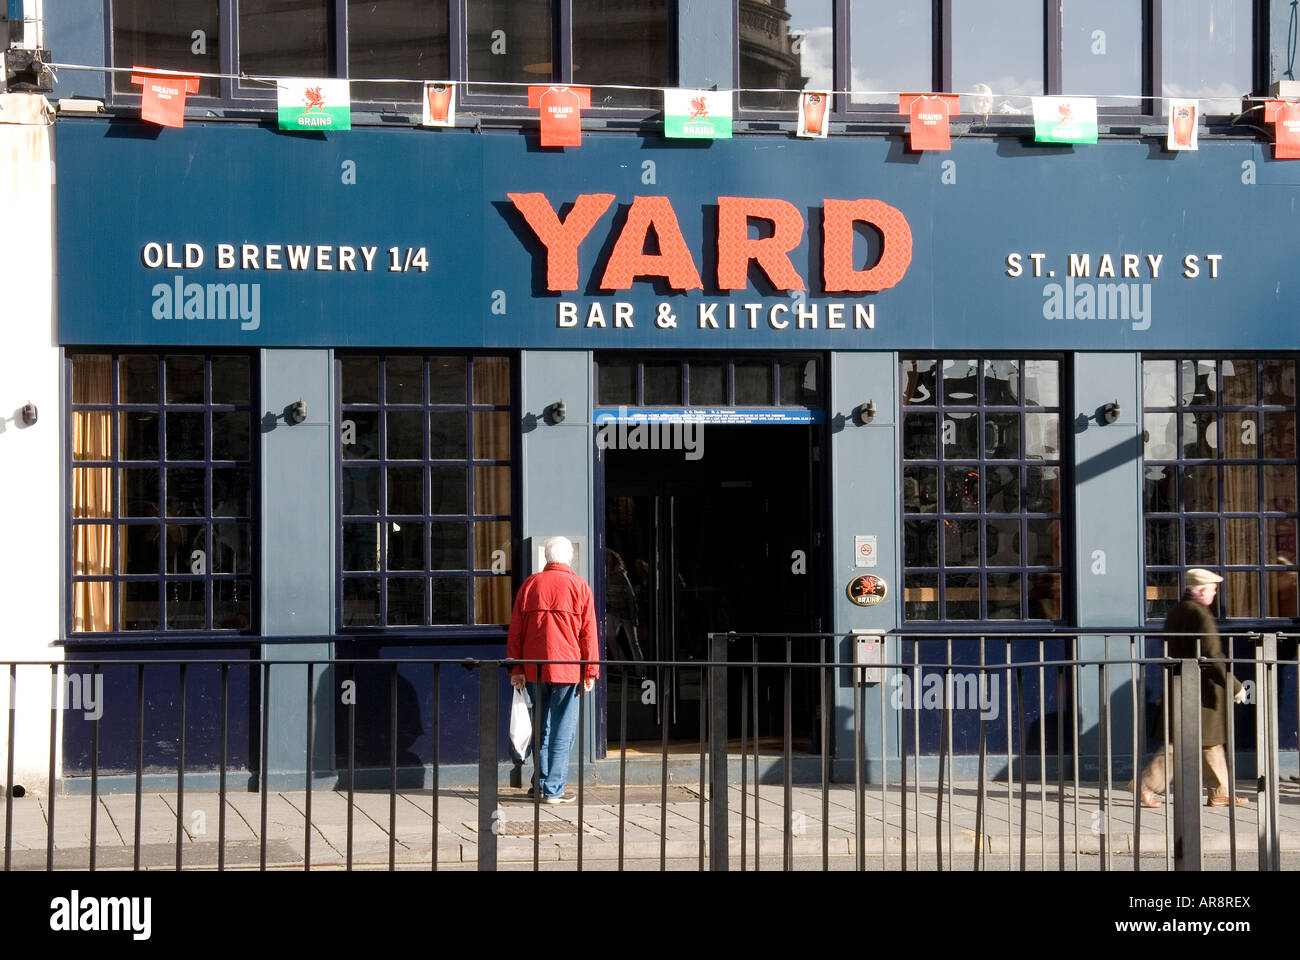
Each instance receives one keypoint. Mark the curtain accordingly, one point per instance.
(92, 494)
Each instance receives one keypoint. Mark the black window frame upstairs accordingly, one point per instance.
(235, 95)
(1149, 109)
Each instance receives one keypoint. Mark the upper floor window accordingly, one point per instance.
(160, 485)
(998, 53)
(493, 42)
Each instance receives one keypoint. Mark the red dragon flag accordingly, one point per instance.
(697, 114)
(1285, 117)
(929, 114)
(162, 99)
(561, 112)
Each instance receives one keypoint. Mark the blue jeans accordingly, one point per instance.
(559, 724)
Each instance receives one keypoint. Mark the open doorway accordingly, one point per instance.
(723, 539)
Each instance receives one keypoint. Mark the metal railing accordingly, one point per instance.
(861, 766)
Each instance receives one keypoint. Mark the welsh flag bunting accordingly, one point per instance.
(162, 99)
(697, 114)
(1285, 117)
(1065, 119)
(309, 104)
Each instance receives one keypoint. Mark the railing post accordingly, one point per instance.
(718, 799)
(489, 693)
(1266, 748)
(1186, 716)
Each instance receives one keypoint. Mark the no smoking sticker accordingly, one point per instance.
(864, 551)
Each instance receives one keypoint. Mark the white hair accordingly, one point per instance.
(559, 550)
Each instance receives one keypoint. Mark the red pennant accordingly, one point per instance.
(929, 114)
(162, 101)
(1285, 117)
(561, 111)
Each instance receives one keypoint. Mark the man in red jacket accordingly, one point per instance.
(554, 619)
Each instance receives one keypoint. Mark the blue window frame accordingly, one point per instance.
(983, 483)
(426, 454)
(161, 480)
(1219, 481)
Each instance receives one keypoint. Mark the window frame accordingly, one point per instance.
(513, 576)
(940, 570)
(1221, 514)
(232, 95)
(1148, 109)
(115, 407)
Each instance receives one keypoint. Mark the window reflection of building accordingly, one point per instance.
(767, 57)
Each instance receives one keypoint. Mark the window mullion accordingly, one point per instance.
(562, 40)
(1052, 47)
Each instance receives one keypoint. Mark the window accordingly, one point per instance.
(161, 490)
(997, 52)
(619, 42)
(757, 381)
(1219, 485)
(425, 490)
(982, 485)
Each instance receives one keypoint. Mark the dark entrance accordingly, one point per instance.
(727, 541)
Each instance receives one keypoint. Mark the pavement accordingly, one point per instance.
(402, 827)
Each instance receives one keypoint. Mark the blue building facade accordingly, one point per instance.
(311, 379)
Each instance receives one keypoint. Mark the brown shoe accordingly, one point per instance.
(1223, 802)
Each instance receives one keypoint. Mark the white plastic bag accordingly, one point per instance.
(521, 723)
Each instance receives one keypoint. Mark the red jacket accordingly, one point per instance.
(554, 619)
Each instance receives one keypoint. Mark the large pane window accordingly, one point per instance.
(426, 450)
(405, 39)
(1205, 52)
(982, 489)
(890, 50)
(161, 490)
(178, 35)
(785, 45)
(284, 38)
(1101, 49)
(509, 41)
(1219, 485)
(997, 50)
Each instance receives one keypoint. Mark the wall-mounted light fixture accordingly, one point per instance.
(556, 412)
(866, 412)
(297, 412)
(1110, 412)
(29, 414)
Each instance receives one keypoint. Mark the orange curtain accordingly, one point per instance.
(92, 494)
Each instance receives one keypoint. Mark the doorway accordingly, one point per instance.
(728, 540)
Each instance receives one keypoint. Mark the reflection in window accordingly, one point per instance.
(1101, 49)
(509, 42)
(785, 45)
(982, 514)
(997, 53)
(622, 42)
(1220, 481)
(425, 501)
(1205, 50)
(284, 38)
(890, 50)
(178, 35)
(161, 493)
(397, 38)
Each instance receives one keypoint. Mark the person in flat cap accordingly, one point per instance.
(1193, 633)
